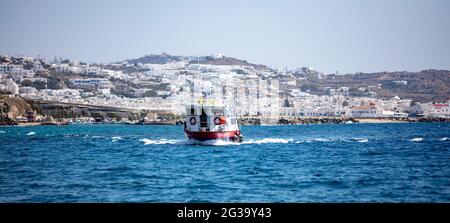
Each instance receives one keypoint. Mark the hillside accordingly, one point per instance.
(422, 86)
(11, 107)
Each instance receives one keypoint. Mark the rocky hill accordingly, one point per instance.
(214, 60)
(11, 107)
(225, 61)
(422, 86)
(156, 59)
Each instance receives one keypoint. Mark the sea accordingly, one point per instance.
(391, 162)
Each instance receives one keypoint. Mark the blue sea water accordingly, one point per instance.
(305, 163)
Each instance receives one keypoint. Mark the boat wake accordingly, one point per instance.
(212, 142)
(221, 142)
(160, 141)
(326, 140)
(267, 140)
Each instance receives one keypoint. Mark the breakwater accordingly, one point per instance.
(293, 120)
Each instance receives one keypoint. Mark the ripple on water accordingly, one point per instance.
(417, 139)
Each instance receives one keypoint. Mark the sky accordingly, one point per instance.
(344, 36)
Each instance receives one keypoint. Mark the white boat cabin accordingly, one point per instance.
(210, 118)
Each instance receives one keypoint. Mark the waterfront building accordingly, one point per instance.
(439, 110)
(365, 111)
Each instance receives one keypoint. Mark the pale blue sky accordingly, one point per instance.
(348, 35)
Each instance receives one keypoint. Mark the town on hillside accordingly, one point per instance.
(156, 88)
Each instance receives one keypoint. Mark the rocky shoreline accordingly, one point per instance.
(14, 106)
(333, 120)
(267, 121)
(293, 120)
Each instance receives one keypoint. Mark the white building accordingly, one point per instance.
(91, 71)
(92, 83)
(10, 86)
(27, 90)
(20, 74)
(7, 68)
(366, 111)
(439, 110)
(61, 68)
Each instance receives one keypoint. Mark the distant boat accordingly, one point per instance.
(211, 122)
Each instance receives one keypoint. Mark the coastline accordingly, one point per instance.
(381, 120)
(264, 121)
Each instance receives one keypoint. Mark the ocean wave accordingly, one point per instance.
(320, 140)
(97, 137)
(159, 141)
(31, 133)
(444, 139)
(71, 135)
(2, 132)
(417, 139)
(115, 138)
(362, 140)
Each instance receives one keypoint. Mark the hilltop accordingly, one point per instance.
(214, 59)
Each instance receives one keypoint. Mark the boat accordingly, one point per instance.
(211, 122)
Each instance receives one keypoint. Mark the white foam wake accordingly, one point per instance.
(159, 141)
(220, 142)
(211, 142)
(418, 139)
(214, 142)
(267, 140)
(31, 133)
(444, 139)
(322, 140)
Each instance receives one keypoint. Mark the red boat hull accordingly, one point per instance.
(202, 136)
